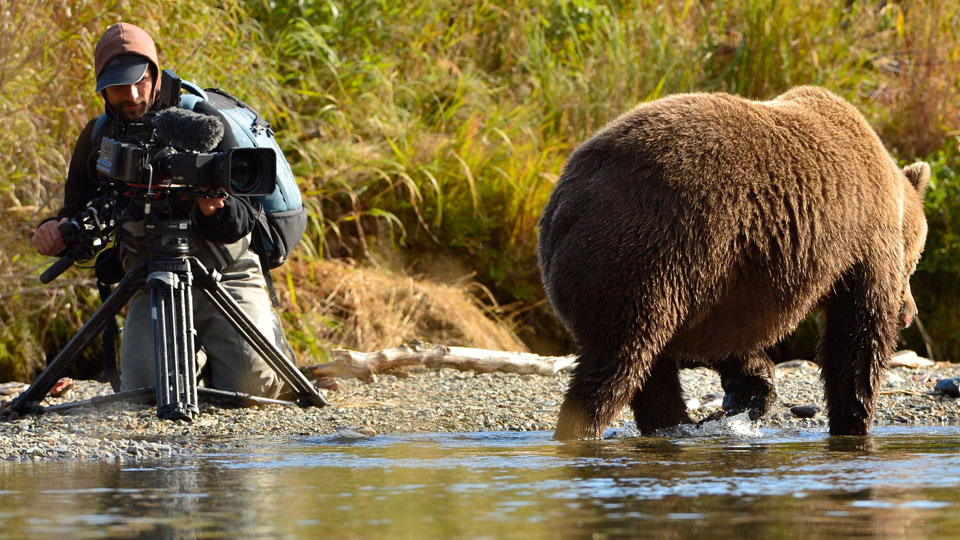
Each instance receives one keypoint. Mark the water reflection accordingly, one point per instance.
(900, 483)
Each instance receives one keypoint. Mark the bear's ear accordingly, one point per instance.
(919, 175)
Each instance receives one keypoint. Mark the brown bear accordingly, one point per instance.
(698, 229)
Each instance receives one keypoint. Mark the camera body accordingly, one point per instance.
(238, 171)
(172, 148)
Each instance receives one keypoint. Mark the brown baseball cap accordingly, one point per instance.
(123, 55)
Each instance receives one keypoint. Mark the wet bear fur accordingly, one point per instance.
(698, 229)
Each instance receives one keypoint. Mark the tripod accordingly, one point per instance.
(170, 276)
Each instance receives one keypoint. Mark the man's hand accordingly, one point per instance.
(47, 239)
(209, 205)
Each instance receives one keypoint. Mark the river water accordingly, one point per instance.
(898, 483)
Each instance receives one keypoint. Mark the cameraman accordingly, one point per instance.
(128, 79)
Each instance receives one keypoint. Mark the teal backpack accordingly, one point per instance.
(284, 218)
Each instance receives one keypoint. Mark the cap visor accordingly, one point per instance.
(123, 71)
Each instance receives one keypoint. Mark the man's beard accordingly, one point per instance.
(133, 115)
(130, 114)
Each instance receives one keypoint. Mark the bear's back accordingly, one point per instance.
(714, 137)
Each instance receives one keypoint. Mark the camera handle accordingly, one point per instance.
(170, 281)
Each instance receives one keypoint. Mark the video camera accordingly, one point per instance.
(172, 148)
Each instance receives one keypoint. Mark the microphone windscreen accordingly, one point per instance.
(188, 130)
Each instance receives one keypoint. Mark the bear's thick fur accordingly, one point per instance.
(699, 229)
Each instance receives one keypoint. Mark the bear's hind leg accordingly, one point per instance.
(658, 402)
(600, 386)
(747, 383)
(860, 334)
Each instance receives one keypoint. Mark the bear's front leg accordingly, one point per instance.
(748, 384)
(860, 334)
(658, 402)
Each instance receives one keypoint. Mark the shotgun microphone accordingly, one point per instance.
(188, 130)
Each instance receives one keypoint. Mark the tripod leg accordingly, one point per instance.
(110, 332)
(80, 341)
(232, 311)
(173, 338)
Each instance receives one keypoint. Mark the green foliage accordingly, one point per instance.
(935, 283)
(942, 205)
(428, 135)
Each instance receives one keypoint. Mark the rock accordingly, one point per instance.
(714, 401)
(948, 387)
(805, 411)
(12, 388)
(60, 387)
(909, 359)
(797, 364)
(894, 380)
(354, 432)
(326, 383)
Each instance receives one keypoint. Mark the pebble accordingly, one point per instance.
(712, 400)
(428, 400)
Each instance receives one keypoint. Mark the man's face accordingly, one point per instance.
(131, 101)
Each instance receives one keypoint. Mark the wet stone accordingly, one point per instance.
(948, 387)
(805, 411)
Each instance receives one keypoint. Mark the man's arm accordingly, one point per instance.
(81, 185)
(78, 190)
(230, 223)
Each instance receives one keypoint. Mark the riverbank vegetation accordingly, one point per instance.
(427, 135)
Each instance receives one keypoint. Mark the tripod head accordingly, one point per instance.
(166, 214)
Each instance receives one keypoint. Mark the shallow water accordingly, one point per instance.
(899, 483)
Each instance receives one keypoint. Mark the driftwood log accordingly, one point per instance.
(346, 363)
(365, 366)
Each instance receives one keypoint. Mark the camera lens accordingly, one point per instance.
(251, 171)
(243, 174)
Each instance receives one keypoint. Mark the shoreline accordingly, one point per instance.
(422, 400)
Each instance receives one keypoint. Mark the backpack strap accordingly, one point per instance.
(194, 95)
(98, 128)
(194, 90)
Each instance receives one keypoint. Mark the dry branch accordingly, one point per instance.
(365, 366)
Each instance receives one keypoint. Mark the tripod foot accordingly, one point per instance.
(10, 414)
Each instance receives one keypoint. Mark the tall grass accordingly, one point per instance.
(427, 135)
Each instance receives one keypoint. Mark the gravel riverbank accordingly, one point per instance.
(426, 400)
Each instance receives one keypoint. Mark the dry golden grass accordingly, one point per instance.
(343, 305)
